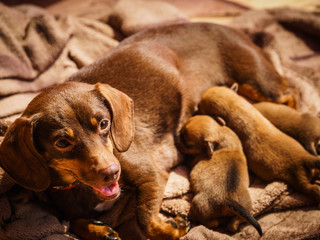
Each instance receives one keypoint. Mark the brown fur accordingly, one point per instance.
(219, 178)
(303, 127)
(93, 230)
(271, 154)
(164, 71)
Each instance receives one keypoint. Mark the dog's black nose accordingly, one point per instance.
(110, 173)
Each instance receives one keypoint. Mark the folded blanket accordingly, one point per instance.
(208, 8)
(44, 50)
(276, 198)
(38, 50)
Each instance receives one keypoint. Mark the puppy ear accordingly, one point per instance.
(20, 159)
(220, 120)
(235, 87)
(209, 147)
(121, 107)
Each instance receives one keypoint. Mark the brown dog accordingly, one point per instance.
(219, 178)
(303, 127)
(85, 136)
(272, 155)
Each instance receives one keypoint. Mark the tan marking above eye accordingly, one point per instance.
(94, 121)
(70, 132)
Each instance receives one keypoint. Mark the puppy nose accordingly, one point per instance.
(110, 173)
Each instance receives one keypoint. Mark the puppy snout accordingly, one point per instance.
(110, 173)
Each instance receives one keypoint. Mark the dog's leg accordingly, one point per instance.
(150, 183)
(92, 230)
(148, 208)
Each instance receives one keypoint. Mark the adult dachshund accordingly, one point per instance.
(108, 134)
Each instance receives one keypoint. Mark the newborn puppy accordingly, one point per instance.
(271, 154)
(219, 178)
(303, 127)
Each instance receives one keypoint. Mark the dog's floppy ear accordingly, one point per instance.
(121, 106)
(20, 159)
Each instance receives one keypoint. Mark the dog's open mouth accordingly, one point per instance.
(108, 192)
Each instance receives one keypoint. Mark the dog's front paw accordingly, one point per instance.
(111, 235)
(171, 229)
(107, 232)
(180, 226)
(93, 230)
(180, 223)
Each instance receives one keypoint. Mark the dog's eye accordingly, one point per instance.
(63, 143)
(104, 124)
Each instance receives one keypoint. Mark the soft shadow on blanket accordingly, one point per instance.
(38, 50)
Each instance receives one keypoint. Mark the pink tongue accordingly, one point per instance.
(110, 190)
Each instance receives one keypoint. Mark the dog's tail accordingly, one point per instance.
(243, 213)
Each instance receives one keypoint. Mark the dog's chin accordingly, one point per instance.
(108, 193)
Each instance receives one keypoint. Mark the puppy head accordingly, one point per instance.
(199, 135)
(67, 134)
(218, 100)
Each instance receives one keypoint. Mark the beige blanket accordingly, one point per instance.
(38, 50)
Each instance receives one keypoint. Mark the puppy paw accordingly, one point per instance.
(233, 226)
(213, 223)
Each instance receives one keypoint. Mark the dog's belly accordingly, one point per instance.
(167, 156)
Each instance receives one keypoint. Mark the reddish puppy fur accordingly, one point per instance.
(271, 154)
(303, 127)
(219, 177)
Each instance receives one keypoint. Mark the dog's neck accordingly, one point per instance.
(105, 206)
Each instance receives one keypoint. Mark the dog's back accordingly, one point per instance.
(167, 69)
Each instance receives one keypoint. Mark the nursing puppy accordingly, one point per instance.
(219, 178)
(271, 154)
(303, 127)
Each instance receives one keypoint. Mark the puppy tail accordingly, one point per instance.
(243, 213)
